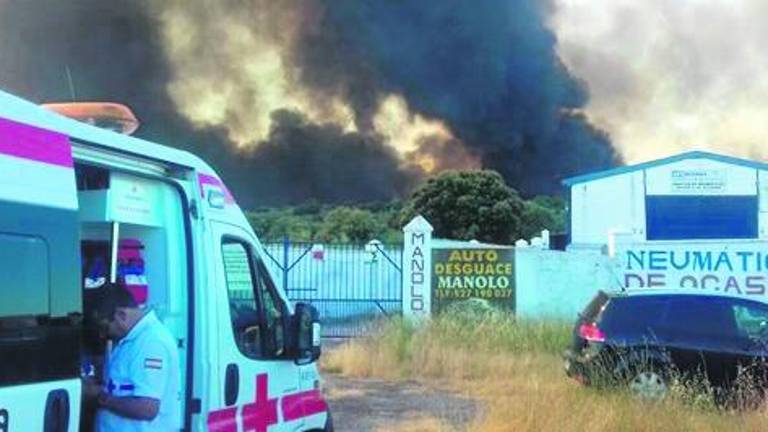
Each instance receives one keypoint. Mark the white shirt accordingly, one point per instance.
(145, 363)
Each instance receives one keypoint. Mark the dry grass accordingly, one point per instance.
(419, 424)
(515, 370)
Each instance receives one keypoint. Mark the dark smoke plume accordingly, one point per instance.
(486, 69)
(335, 165)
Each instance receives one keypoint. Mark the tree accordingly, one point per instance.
(348, 224)
(467, 205)
(274, 224)
(543, 212)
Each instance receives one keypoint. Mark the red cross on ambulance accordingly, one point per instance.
(262, 413)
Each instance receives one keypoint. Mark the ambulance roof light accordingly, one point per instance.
(107, 115)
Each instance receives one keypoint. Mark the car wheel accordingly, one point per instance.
(649, 384)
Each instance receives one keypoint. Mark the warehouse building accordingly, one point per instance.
(691, 196)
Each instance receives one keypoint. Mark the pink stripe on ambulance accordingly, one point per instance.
(303, 404)
(37, 166)
(32, 143)
(209, 180)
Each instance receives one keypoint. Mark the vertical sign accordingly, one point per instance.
(417, 262)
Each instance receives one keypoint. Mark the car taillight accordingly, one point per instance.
(591, 332)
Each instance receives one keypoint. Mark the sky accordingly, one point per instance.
(670, 76)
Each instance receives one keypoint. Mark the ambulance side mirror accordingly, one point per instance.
(306, 326)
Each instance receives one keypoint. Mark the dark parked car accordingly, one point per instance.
(644, 339)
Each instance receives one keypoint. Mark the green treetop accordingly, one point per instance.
(467, 205)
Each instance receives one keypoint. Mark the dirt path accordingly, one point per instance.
(360, 405)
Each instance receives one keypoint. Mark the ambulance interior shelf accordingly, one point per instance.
(126, 266)
(119, 214)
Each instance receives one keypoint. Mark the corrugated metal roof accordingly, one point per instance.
(658, 162)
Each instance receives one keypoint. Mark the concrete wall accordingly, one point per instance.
(549, 284)
(557, 285)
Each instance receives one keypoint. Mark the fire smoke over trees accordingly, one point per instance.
(333, 100)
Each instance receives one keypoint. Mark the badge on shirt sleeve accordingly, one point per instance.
(153, 363)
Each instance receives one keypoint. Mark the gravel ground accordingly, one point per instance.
(360, 405)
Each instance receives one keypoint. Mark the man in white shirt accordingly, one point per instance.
(140, 391)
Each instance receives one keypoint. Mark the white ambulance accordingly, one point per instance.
(71, 194)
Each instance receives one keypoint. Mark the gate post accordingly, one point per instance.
(286, 264)
(417, 269)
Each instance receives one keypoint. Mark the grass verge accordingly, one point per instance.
(514, 369)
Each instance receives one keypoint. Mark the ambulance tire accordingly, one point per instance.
(328, 425)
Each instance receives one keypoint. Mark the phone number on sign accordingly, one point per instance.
(463, 293)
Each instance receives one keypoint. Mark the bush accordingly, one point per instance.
(467, 205)
(471, 310)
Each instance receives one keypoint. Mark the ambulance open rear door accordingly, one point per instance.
(40, 297)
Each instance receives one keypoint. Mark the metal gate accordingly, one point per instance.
(353, 286)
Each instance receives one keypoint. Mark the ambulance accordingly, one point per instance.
(81, 205)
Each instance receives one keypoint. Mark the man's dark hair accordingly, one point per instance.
(101, 303)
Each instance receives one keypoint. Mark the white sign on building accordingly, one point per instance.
(695, 181)
(733, 268)
(700, 177)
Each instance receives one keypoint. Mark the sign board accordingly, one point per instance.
(134, 200)
(417, 243)
(482, 273)
(737, 269)
(700, 177)
(697, 181)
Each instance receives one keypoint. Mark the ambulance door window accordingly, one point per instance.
(243, 305)
(274, 311)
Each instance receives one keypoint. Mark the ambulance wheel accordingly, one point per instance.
(328, 423)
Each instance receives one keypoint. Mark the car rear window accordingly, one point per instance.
(633, 316)
(594, 307)
(702, 316)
